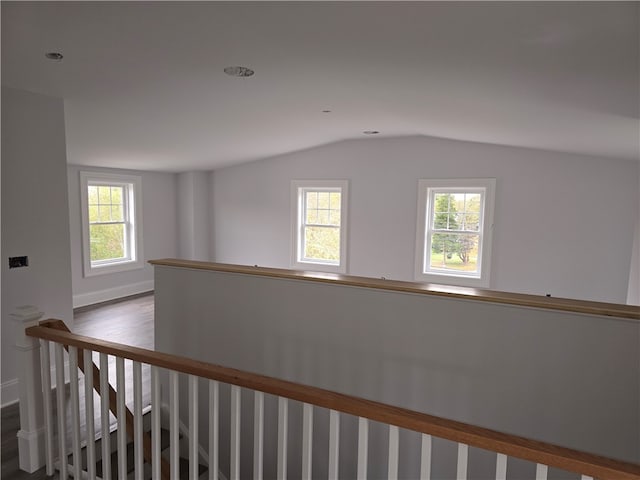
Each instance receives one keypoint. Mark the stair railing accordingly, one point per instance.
(543, 454)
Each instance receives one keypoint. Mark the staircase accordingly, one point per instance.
(113, 460)
(219, 418)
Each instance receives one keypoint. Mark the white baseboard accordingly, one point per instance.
(9, 392)
(90, 298)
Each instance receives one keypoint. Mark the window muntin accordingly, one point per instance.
(319, 227)
(111, 222)
(454, 231)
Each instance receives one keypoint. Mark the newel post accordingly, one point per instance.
(31, 436)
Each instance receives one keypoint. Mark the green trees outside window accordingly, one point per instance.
(322, 226)
(456, 221)
(107, 222)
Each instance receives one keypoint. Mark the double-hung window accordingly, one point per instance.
(319, 224)
(455, 220)
(111, 222)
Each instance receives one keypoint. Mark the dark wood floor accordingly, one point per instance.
(130, 322)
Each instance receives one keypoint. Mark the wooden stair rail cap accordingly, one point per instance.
(630, 312)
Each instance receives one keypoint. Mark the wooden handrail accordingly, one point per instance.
(540, 452)
(448, 291)
(60, 326)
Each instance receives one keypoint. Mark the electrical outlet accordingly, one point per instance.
(16, 262)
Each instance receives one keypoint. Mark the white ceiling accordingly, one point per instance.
(144, 85)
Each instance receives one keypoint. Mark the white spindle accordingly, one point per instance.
(155, 423)
(334, 443)
(307, 440)
(89, 417)
(501, 466)
(62, 420)
(174, 429)
(425, 457)
(394, 443)
(138, 452)
(122, 418)
(541, 471)
(48, 407)
(258, 434)
(234, 473)
(363, 448)
(586, 477)
(193, 428)
(283, 421)
(75, 410)
(463, 456)
(104, 414)
(214, 396)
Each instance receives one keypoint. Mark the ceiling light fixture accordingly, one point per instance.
(55, 56)
(371, 132)
(238, 71)
(326, 111)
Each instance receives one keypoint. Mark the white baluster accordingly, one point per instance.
(425, 457)
(363, 448)
(138, 451)
(394, 443)
(89, 417)
(104, 414)
(193, 428)
(541, 471)
(258, 434)
(334, 444)
(61, 409)
(307, 440)
(48, 407)
(463, 456)
(122, 418)
(283, 421)
(174, 429)
(156, 432)
(214, 397)
(75, 410)
(586, 477)
(501, 466)
(235, 433)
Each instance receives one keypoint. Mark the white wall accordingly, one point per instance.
(35, 219)
(159, 213)
(193, 215)
(561, 377)
(563, 223)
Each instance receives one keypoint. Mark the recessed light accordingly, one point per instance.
(326, 111)
(238, 71)
(55, 56)
(371, 132)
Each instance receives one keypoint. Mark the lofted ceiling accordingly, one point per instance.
(144, 85)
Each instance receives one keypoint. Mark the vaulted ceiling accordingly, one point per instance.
(144, 85)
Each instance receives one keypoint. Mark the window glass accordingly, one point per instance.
(318, 224)
(454, 231)
(111, 222)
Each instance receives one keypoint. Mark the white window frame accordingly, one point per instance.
(298, 188)
(426, 190)
(133, 223)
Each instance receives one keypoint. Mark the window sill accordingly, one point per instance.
(115, 267)
(456, 280)
(319, 267)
